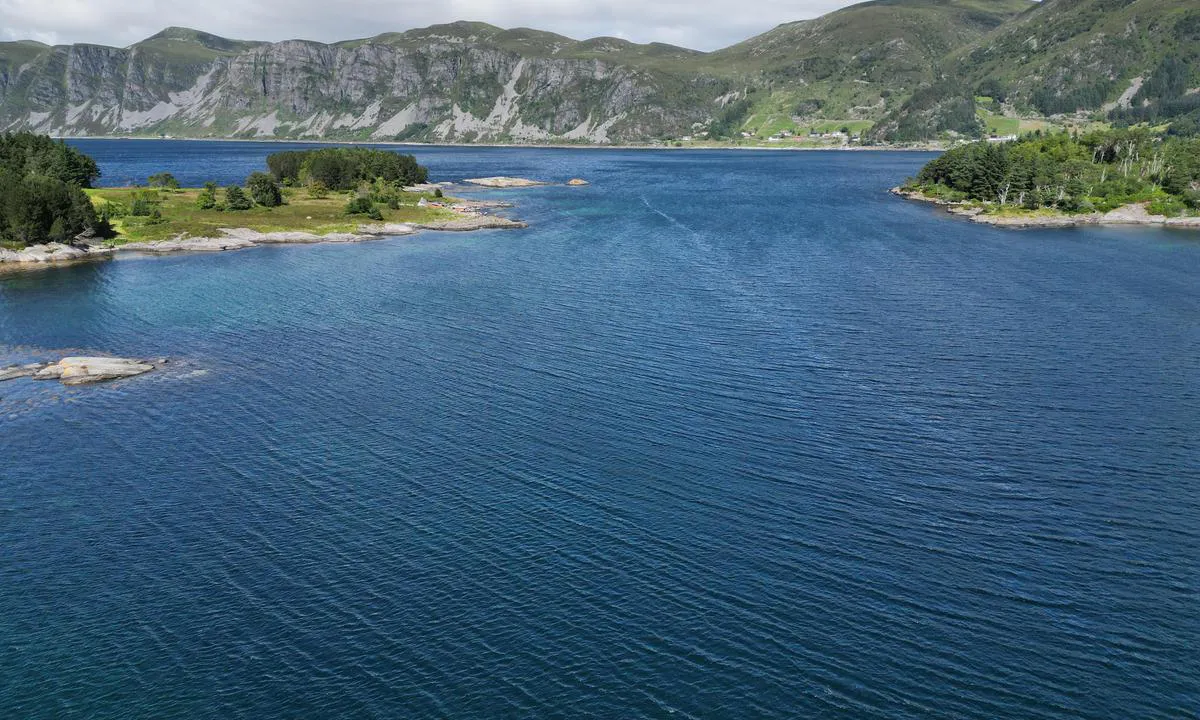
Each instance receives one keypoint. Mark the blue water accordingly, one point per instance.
(724, 435)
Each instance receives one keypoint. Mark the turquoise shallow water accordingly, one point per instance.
(722, 435)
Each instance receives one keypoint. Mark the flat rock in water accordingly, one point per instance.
(86, 370)
(13, 372)
(387, 229)
(503, 182)
(477, 222)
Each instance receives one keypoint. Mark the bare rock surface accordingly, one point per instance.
(12, 372)
(503, 182)
(387, 229)
(79, 370)
(53, 253)
(189, 244)
(475, 222)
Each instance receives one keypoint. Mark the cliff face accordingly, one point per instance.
(462, 84)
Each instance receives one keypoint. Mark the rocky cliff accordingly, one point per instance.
(460, 82)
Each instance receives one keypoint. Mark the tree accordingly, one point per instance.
(29, 154)
(317, 190)
(38, 209)
(264, 190)
(207, 199)
(235, 199)
(163, 180)
(363, 206)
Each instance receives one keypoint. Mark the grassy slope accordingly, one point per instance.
(1064, 44)
(181, 216)
(859, 61)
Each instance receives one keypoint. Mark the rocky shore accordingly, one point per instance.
(80, 370)
(1135, 214)
(54, 253)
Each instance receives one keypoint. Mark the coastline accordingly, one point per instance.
(931, 147)
(57, 254)
(1126, 215)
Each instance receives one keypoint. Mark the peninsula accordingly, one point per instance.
(343, 194)
(1115, 177)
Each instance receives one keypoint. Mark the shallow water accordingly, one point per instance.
(721, 435)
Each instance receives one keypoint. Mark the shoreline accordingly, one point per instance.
(1134, 214)
(933, 147)
(59, 254)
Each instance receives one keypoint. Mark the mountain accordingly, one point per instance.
(857, 62)
(1124, 60)
(906, 69)
(462, 81)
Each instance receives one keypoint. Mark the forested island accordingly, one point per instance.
(1128, 176)
(50, 212)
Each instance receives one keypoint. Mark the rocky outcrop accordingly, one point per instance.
(53, 253)
(79, 370)
(503, 182)
(475, 222)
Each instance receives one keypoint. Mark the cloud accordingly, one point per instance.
(700, 24)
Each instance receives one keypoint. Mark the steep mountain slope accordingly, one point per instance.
(463, 81)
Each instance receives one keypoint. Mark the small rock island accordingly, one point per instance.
(79, 370)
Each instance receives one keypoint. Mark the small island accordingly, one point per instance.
(81, 370)
(51, 213)
(1114, 177)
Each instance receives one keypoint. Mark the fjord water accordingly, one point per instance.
(722, 435)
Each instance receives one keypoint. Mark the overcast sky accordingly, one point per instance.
(699, 24)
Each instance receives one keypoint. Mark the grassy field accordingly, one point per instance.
(180, 216)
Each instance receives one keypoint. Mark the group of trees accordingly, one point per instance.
(345, 168)
(41, 195)
(1096, 171)
(261, 189)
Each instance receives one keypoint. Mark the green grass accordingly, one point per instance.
(998, 124)
(180, 216)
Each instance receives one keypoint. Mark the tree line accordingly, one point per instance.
(341, 169)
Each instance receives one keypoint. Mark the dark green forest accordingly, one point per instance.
(345, 168)
(41, 191)
(1072, 173)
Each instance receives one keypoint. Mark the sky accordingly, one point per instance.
(698, 24)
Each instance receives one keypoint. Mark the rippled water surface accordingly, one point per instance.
(723, 435)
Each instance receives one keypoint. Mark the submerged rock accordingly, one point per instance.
(475, 222)
(503, 182)
(86, 370)
(13, 372)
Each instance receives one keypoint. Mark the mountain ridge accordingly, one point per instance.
(907, 69)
